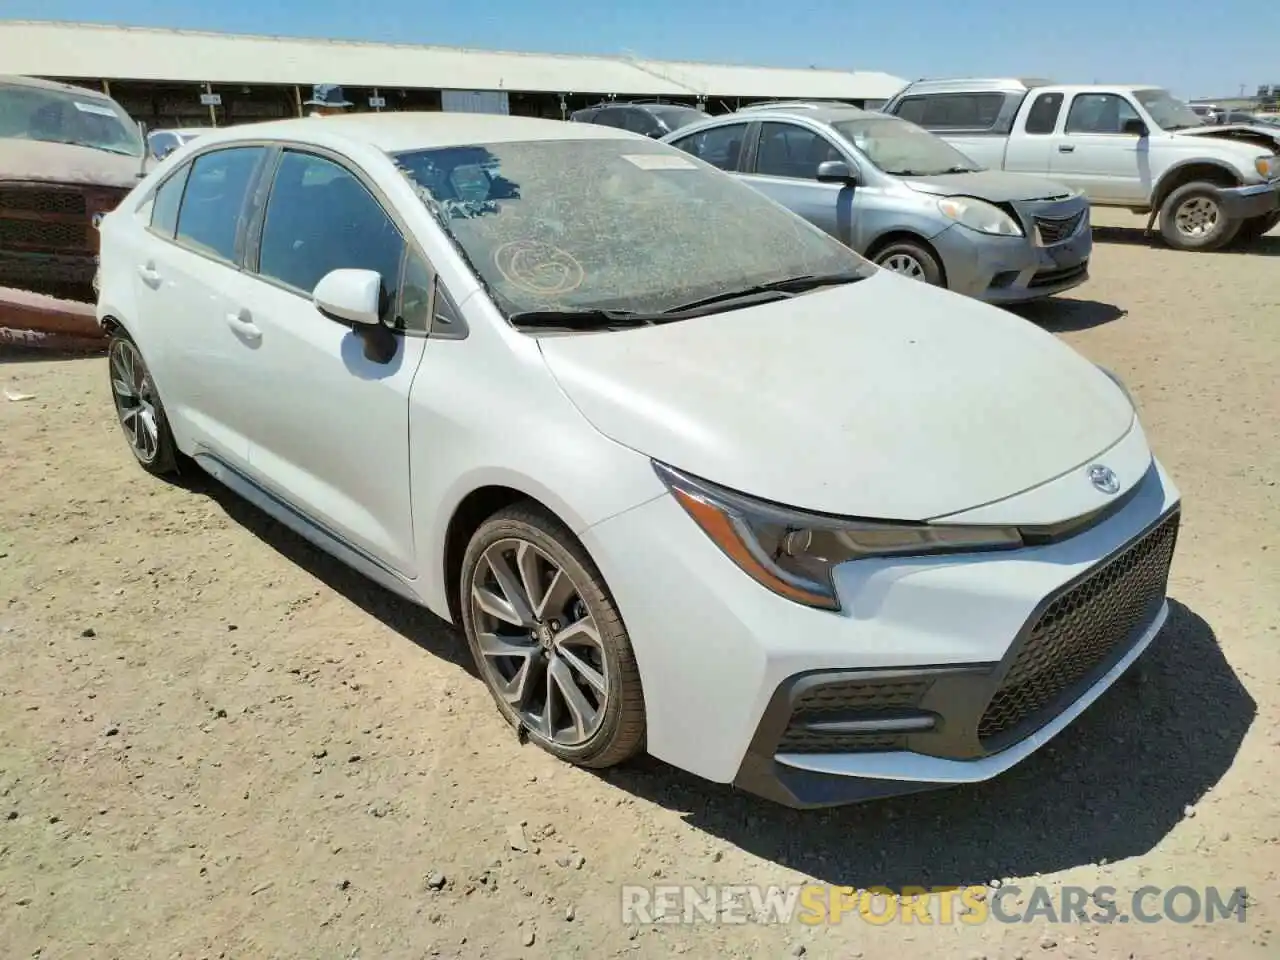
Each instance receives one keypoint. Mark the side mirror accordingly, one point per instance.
(1134, 128)
(836, 171)
(350, 295)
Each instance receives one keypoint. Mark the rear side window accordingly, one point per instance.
(214, 199)
(165, 204)
(720, 146)
(952, 111)
(638, 121)
(1043, 115)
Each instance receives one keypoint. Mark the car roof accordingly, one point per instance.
(414, 130)
(820, 114)
(36, 82)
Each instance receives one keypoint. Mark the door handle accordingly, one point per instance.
(1066, 148)
(149, 274)
(242, 323)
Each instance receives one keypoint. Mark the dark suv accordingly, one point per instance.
(651, 119)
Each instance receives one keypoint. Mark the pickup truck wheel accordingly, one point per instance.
(1255, 227)
(911, 260)
(1192, 218)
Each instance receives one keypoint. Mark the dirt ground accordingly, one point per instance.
(215, 742)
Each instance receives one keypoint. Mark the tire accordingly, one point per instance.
(910, 259)
(138, 408)
(1255, 227)
(529, 538)
(1191, 218)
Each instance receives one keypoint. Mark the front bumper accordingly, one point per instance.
(1014, 269)
(738, 682)
(1245, 203)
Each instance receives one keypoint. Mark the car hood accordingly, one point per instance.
(66, 163)
(1259, 135)
(994, 185)
(883, 398)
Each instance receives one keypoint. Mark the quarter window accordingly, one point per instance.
(166, 203)
(209, 220)
(953, 111)
(320, 218)
(787, 150)
(1100, 113)
(1043, 115)
(720, 146)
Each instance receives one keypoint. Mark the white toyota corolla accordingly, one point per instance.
(692, 477)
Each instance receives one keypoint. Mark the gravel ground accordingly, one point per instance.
(215, 742)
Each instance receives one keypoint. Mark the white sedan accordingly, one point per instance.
(692, 477)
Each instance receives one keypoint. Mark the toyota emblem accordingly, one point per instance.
(1104, 479)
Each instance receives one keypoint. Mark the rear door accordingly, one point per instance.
(330, 434)
(721, 146)
(1034, 136)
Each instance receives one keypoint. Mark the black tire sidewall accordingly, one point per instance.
(1223, 234)
(165, 460)
(563, 548)
(932, 269)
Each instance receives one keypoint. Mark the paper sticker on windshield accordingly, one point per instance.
(95, 108)
(659, 161)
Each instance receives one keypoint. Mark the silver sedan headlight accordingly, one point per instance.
(980, 216)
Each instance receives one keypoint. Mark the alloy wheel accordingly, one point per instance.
(1197, 217)
(135, 399)
(904, 264)
(540, 647)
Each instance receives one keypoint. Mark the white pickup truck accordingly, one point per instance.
(1133, 147)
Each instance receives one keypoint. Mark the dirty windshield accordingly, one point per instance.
(58, 116)
(613, 224)
(903, 149)
(1168, 111)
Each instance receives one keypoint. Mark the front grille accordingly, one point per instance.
(871, 699)
(42, 200)
(1081, 632)
(1056, 229)
(1049, 278)
(47, 234)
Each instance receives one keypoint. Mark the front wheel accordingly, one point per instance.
(911, 260)
(1192, 218)
(548, 640)
(138, 406)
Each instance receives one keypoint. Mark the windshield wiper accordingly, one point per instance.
(582, 319)
(774, 290)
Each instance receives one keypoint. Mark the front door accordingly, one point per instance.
(330, 435)
(1095, 155)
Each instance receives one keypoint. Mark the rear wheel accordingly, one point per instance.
(910, 259)
(138, 406)
(1192, 218)
(548, 640)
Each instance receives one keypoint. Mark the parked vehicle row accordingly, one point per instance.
(672, 458)
(1132, 147)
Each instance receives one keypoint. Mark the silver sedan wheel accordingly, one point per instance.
(1197, 217)
(904, 264)
(135, 400)
(540, 648)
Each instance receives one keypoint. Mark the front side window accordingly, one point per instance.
(903, 149)
(612, 225)
(720, 146)
(788, 150)
(1099, 113)
(321, 218)
(209, 220)
(62, 116)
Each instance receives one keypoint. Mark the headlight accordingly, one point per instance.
(1266, 167)
(1119, 383)
(980, 215)
(794, 553)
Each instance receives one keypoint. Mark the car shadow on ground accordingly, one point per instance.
(1061, 315)
(1111, 786)
(1266, 246)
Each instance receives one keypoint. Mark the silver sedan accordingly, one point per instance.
(906, 199)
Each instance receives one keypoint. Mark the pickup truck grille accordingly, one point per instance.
(1056, 229)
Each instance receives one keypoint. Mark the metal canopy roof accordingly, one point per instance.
(91, 51)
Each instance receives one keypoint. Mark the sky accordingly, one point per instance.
(1194, 49)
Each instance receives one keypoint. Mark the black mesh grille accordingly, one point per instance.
(40, 200)
(44, 233)
(1056, 229)
(850, 700)
(1083, 629)
(1046, 278)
